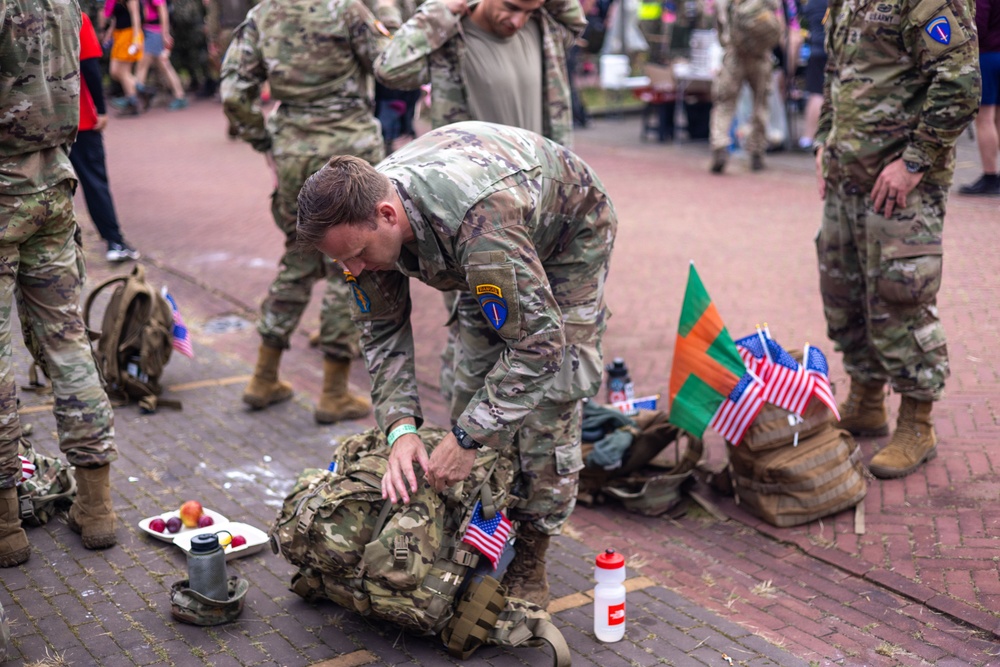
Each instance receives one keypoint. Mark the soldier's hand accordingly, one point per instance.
(449, 464)
(407, 450)
(820, 181)
(892, 187)
(457, 7)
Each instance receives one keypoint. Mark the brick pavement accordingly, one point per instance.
(920, 587)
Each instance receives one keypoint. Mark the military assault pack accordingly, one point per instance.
(407, 564)
(135, 340)
(754, 28)
(644, 462)
(50, 489)
(790, 470)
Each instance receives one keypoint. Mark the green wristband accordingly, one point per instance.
(400, 430)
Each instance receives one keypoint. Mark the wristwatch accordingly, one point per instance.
(914, 167)
(465, 440)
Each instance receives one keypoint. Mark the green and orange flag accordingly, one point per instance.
(706, 364)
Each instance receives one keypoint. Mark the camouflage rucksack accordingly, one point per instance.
(406, 563)
(136, 338)
(51, 488)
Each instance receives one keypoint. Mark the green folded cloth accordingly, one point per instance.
(610, 431)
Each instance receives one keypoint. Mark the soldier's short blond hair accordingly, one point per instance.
(345, 191)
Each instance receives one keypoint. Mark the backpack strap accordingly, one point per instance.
(88, 304)
(474, 618)
(545, 631)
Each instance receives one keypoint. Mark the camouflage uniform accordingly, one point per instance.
(39, 250)
(737, 67)
(527, 228)
(892, 90)
(430, 48)
(318, 58)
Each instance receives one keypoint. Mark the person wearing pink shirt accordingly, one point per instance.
(156, 31)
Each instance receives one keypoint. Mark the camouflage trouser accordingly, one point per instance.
(447, 375)
(39, 268)
(4, 634)
(879, 280)
(725, 91)
(299, 270)
(548, 441)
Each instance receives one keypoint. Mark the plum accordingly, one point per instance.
(174, 524)
(158, 525)
(205, 520)
(238, 541)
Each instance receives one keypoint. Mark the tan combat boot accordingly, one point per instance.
(337, 403)
(913, 442)
(14, 548)
(525, 577)
(92, 515)
(265, 388)
(863, 413)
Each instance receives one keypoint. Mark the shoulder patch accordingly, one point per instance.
(493, 303)
(939, 29)
(360, 298)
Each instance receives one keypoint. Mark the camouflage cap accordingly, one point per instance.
(192, 607)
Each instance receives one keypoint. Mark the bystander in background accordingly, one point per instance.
(124, 34)
(156, 51)
(814, 15)
(87, 154)
(988, 120)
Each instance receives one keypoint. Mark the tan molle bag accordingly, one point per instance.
(789, 485)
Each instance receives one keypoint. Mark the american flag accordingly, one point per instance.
(788, 384)
(488, 535)
(738, 411)
(632, 406)
(818, 370)
(182, 338)
(752, 351)
(27, 469)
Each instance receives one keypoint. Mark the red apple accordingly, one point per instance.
(205, 521)
(191, 511)
(238, 541)
(158, 525)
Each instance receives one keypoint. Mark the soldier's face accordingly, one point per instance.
(506, 17)
(358, 247)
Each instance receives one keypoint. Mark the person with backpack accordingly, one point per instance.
(40, 266)
(470, 207)
(748, 30)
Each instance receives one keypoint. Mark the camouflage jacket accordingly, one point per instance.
(497, 211)
(430, 48)
(902, 80)
(318, 59)
(39, 92)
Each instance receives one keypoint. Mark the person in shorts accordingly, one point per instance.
(988, 120)
(158, 42)
(813, 15)
(125, 34)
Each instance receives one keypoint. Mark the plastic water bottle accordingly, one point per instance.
(609, 597)
(619, 382)
(207, 567)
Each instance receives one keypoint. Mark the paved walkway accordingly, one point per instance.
(920, 587)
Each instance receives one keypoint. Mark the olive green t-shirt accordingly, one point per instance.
(503, 76)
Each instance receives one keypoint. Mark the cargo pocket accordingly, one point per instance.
(403, 553)
(910, 275)
(569, 459)
(582, 368)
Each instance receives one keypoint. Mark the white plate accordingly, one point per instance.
(256, 538)
(167, 536)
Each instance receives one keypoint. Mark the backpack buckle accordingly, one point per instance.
(27, 509)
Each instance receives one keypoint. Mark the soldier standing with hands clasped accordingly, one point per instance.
(525, 226)
(902, 83)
